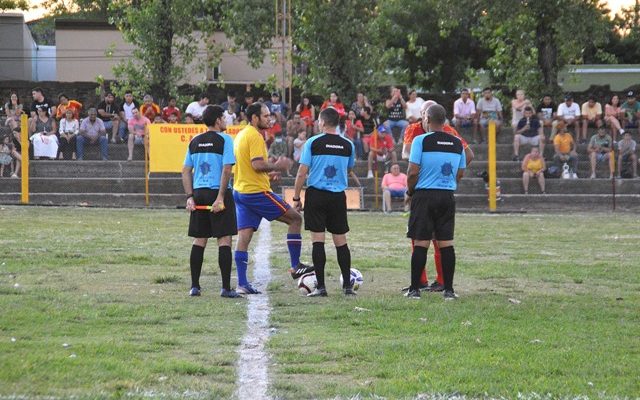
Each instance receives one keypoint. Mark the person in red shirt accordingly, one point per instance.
(380, 148)
(148, 108)
(171, 109)
(66, 104)
(334, 101)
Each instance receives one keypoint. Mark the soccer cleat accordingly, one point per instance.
(435, 287)
(449, 295)
(300, 270)
(230, 294)
(247, 289)
(422, 287)
(318, 292)
(194, 291)
(412, 294)
(348, 291)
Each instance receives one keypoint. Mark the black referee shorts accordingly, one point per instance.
(433, 214)
(207, 224)
(325, 211)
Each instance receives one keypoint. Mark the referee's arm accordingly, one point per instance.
(303, 170)
(412, 178)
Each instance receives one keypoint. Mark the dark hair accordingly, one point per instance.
(17, 97)
(211, 114)
(128, 92)
(204, 96)
(437, 114)
(254, 109)
(464, 90)
(528, 108)
(63, 95)
(610, 102)
(231, 93)
(367, 109)
(487, 88)
(171, 98)
(330, 117)
(37, 89)
(248, 94)
(592, 97)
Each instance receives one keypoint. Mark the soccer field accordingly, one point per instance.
(94, 305)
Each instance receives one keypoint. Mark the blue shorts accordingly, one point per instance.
(397, 193)
(251, 208)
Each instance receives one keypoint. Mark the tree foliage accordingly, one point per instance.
(6, 5)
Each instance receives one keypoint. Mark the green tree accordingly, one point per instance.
(6, 5)
(625, 36)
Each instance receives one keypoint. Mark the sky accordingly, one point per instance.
(36, 13)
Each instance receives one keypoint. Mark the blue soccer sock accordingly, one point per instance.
(242, 261)
(294, 244)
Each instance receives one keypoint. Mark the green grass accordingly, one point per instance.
(112, 285)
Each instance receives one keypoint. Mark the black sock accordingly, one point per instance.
(319, 258)
(344, 261)
(195, 261)
(224, 261)
(418, 261)
(448, 266)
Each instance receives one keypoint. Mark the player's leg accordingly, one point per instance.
(195, 263)
(338, 225)
(444, 226)
(420, 229)
(437, 260)
(247, 223)
(319, 257)
(315, 221)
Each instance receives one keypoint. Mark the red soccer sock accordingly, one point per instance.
(438, 262)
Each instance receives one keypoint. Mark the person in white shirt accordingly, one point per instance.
(464, 113)
(489, 109)
(196, 108)
(126, 112)
(569, 112)
(69, 129)
(414, 105)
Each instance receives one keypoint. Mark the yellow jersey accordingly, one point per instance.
(534, 165)
(564, 142)
(249, 145)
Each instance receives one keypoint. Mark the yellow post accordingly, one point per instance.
(146, 175)
(24, 142)
(375, 185)
(612, 162)
(492, 166)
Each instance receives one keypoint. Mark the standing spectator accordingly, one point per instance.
(13, 110)
(231, 105)
(464, 112)
(627, 153)
(248, 100)
(108, 112)
(565, 149)
(126, 113)
(396, 107)
(569, 113)
(40, 101)
(65, 104)
(294, 126)
(335, 102)
(489, 109)
(613, 114)
(298, 143)
(148, 108)
(528, 131)
(307, 113)
(517, 108)
(360, 103)
(69, 130)
(599, 150)
(43, 135)
(171, 108)
(414, 105)
(354, 131)
(533, 166)
(138, 132)
(92, 131)
(547, 113)
(381, 149)
(591, 116)
(394, 184)
(196, 108)
(277, 108)
(631, 109)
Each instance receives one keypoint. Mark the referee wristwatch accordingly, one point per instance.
(294, 199)
(190, 195)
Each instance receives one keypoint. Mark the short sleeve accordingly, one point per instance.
(187, 159)
(499, 105)
(228, 158)
(416, 151)
(522, 123)
(256, 146)
(463, 160)
(305, 157)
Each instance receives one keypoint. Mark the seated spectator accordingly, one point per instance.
(248, 100)
(369, 124)
(188, 119)
(613, 114)
(138, 133)
(547, 113)
(65, 104)
(40, 101)
(126, 113)
(108, 112)
(148, 108)
(294, 126)
(298, 144)
(16, 159)
(517, 108)
(158, 120)
(278, 152)
(5, 155)
(278, 108)
(591, 116)
(307, 114)
(231, 104)
(174, 117)
(631, 109)
(196, 108)
(13, 110)
(381, 149)
(489, 109)
(569, 113)
(599, 150)
(92, 131)
(354, 131)
(396, 113)
(533, 166)
(335, 102)
(528, 131)
(43, 132)
(394, 185)
(464, 112)
(171, 108)
(565, 150)
(414, 105)
(69, 130)
(627, 154)
(360, 103)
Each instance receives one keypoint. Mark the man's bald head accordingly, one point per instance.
(436, 115)
(426, 105)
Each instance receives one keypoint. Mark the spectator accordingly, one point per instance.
(335, 102)
(294, 126)
(464, 113)
(277, 108)
(354, 131)
(13, 110)
(196, 108)
(174, 117)
(229, 115)
(569, 113)
(92, 131)
(631, 109)
(138, 132)
(599, 150)
(248, 100)
(65, 104)
(307, 114)
(396, 107)
(394, 185)
(565, 149)
(489, 108)
(158, 120)
(591, 116)
(40, 101)
(626, 154)
(126, 113)
(43, 135)
(298, 144)
(517, 108)
(69, 129)
(148, 108)
(414, 105)
(188, 119)
(533, 166)
(278, 152)
(171, 108)
(381, 149)
(108, 113)
(528, 131)
(15, 156)
(231, 105)
(5, 155)
(547, 113)
(369, 124)
(360, 103)
(613, 114)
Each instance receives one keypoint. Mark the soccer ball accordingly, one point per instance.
(307, 283)
(356, 279)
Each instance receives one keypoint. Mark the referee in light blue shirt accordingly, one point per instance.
(328, 160)
(436, 165)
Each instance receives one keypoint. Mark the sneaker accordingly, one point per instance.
(348, 291)
(515, 158)
(593, 176)
(412, 294)
(318, 292)
(449, 295)
(14, 176)
(194, 291)
(370, 174)
(300, 270)
(422, 288)
(230, 294)
(247, 289)
(574, 176)
(435, 287)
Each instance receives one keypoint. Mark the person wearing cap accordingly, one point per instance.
(381, 148)
(569, 113)
(591, 116)
(631, 109)
(599, 150)
(108, 113)
(627, 153)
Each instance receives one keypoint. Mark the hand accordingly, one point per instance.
(274, 176)
(297, 205)
(218, 206)
(282, 163)
(191, 204)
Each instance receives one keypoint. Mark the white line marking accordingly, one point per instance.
(253, 380)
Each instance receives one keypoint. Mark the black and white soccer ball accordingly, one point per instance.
(307, 283)
(355, 280)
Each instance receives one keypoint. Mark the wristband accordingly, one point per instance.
(294, 199)
(190, 195)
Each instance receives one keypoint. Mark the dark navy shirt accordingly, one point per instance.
(329, 158)
(207, 154)
(440, 156)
